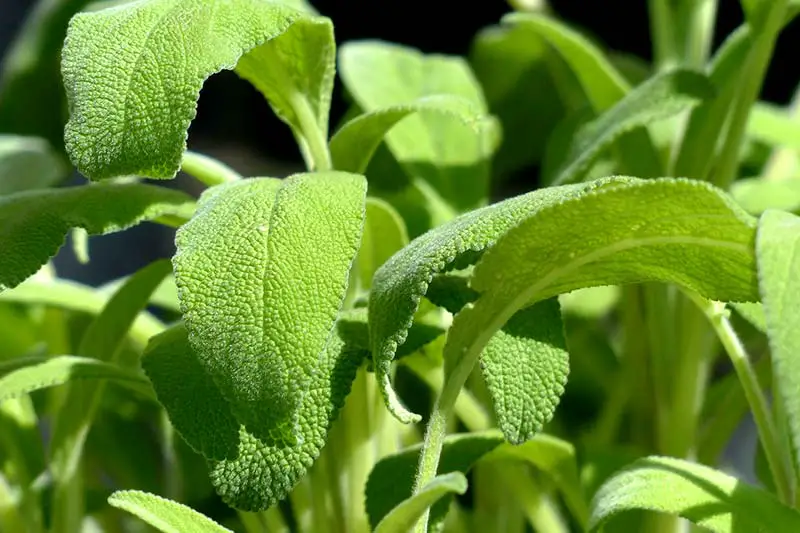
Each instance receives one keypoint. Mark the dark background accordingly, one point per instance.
(236, 125)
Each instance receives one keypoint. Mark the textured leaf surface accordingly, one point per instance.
(403, 517)
(452, 158)
(133, 74)
(261, 271)
(400, 284)
(673, 231)
(33, 224)
(28, 163)
(63, 369)
(354, 143)
(778, 256)
(658, 98)
(165, 515)
(707, 497)
(525, 366)
(255, 475)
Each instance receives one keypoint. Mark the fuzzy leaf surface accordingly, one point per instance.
(163, 514)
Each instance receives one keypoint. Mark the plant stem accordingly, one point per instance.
(752, 76)
(662, 29)
(718, 316)
(698, 18)
(207, 170)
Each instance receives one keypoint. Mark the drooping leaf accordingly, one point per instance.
(403, 517)
(430, 146)
(778, 256)
(133, 81)
(261, 271)
(33, 224)
(400, 284)
(355, 142)
(525, 366)
(707, 497)
(661, 97)
(384, 234)
(675, 231)
(165, 515)
(28, 163)
(43, 373)
(756, 195)
(254, 475)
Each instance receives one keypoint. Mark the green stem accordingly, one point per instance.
(314, 142)
(360, 455)
(207, 169)
(273, 520)
(718, 316)
(662, 28)
(751, 78)
(698, 18)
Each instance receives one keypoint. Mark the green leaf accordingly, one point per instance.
(254, 475)
(196, 408)
(778, 256)
(707, 497)
(28, 163)
(355, 142)
(603, 84)
(261, 271)
(753, 312)
(391, 480)
(384, 234)
(757, 195)
(431, 146)
(773, 126)
(511, 64)
(403, 517)
(525, 366)
(451, 290)
(660, 97)
(133, 74)
(400, 284)
(39, 373)
(33, 224)
(165, 515)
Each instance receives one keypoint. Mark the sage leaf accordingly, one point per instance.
(525, 366)
(757, 195)
(262, 270)
(669, 230)
(196, 408)
(34, 224)
(355, 142)
(658, 98)
(249, 474)
(707, 497)
(400, 284)
(403, 517)
(773, 126)
(28, 163)
(433, 147)
(165, 515)
(63, 369)
(778, 256)
(133, 74)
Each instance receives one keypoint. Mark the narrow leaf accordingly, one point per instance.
(354, 144)
(253, 475)
(133, 75)
(403, 517)
(452, 158)
(63, 369)
(658, 98)
(261, 271)
(707, 497)
(28, 163)
(165, 515)
(400, 284)
(525, 366)
(34, 224)
(778, 256)
(384, 234)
